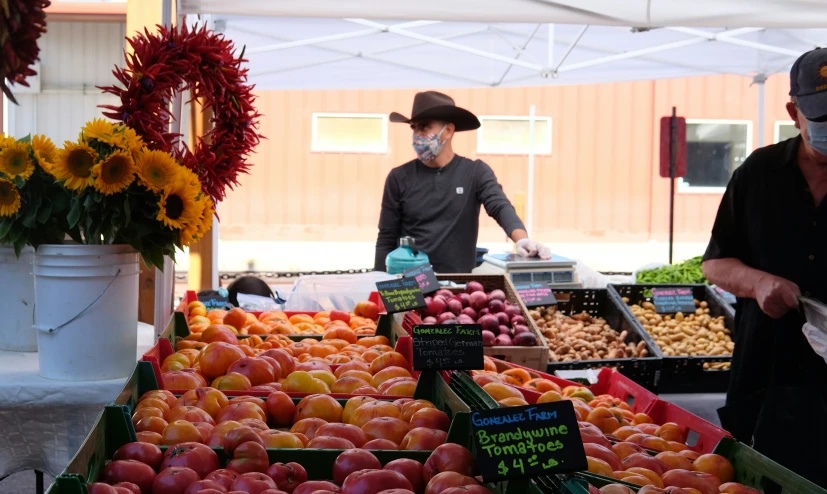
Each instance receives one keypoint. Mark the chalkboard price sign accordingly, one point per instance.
(536, 294)
(447, 347)
(672, 300)
(424, 275)
(730, 298)
(216, 302)
(400, 295)
(528, 441)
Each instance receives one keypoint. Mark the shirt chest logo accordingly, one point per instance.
(460, 190)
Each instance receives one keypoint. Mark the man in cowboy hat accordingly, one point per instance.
(436, 198)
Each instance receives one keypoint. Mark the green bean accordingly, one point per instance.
(687, 272)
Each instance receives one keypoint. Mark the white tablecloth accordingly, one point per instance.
(43, 422)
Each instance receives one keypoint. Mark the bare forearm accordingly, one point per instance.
(733, 276)
(518, 235)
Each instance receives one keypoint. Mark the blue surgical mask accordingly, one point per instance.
(817, 132)
(428, 147)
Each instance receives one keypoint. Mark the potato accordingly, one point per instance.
(692, 334)
(584, 337)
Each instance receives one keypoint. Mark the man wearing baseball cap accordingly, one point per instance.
(768, 247)
(436, 198)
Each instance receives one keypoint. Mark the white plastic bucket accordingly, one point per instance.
(86, 311)
(17, 333)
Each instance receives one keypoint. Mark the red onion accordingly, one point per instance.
(497, 295)
(474, 286)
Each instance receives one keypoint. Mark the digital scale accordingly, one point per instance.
(558, 272)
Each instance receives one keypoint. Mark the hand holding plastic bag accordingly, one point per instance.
(817, 339)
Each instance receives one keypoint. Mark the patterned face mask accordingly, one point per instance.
(428, 147)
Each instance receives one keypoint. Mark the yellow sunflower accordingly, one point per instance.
(156, 169)
(74, 165)
(126, 138)
(179, 205)
(45, 152)
(195, 230)
(97, 128)
(6, 141)
(9, 198)
(115, 173)
(205, 224)
(15, 161)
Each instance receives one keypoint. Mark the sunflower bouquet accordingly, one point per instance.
(121, 192)
(33, 206)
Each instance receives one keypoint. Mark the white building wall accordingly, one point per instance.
(75, 57)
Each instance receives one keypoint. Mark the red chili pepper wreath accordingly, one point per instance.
(21, 24)
(203, 62)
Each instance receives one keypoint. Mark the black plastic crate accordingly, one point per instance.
(607, 305)
(685, 374)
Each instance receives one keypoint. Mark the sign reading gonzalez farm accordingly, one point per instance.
(672, 300)
(400, 295)
(447, 347)
(424, 275)
(528, 441)
(536, 294)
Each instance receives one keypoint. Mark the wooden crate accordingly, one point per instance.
(533, 357)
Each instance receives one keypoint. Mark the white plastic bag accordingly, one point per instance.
(816, 338)
(256, 303)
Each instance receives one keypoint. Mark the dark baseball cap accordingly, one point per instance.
(808, 83)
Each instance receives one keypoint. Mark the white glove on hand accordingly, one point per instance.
(529, 248)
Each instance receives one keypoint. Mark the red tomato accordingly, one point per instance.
(223, 476)
(316, 485)
(128, 488)
(450, 457)
(353, 460)
(174, 480)
(287, 476)
(101, 488)
(253, 483)
(446, 480)
(411, 469)
(202, 485)
(200, 458)
(133, 471)
(374, 481)
(249, 457)
(238, 436)
(143, 452)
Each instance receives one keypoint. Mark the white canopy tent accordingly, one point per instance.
(350, 44)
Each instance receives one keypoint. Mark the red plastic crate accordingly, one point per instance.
(703, 436)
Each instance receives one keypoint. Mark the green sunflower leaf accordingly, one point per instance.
(45, 212)
(18, 247)
(19, 182)
(30, 217)
(25, 140)
(74, 213)
(5, 227)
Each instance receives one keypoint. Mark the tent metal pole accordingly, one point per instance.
(730, 37)
(448, 44)
(335, 37)
(631, 54)
(550, 45)
(530, 209)
(570, 49)
(760, 79)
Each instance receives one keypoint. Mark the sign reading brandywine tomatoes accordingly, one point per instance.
(401, 295)
(528, 441)
(447, 347)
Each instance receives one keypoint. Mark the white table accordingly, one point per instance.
(43, 422)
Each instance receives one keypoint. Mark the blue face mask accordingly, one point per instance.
(817, 132)
(428, 147)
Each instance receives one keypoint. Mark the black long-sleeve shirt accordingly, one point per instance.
(440, 209)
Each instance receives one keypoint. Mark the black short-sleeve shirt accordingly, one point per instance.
(768, 219)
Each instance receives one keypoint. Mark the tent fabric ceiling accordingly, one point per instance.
(638, 13)
(323, 53)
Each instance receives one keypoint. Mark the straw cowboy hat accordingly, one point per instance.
(431, 105)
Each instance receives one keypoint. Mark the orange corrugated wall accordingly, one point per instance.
(600, 183)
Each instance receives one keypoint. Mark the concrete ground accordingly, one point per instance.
(23, 483)
(328, 256)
